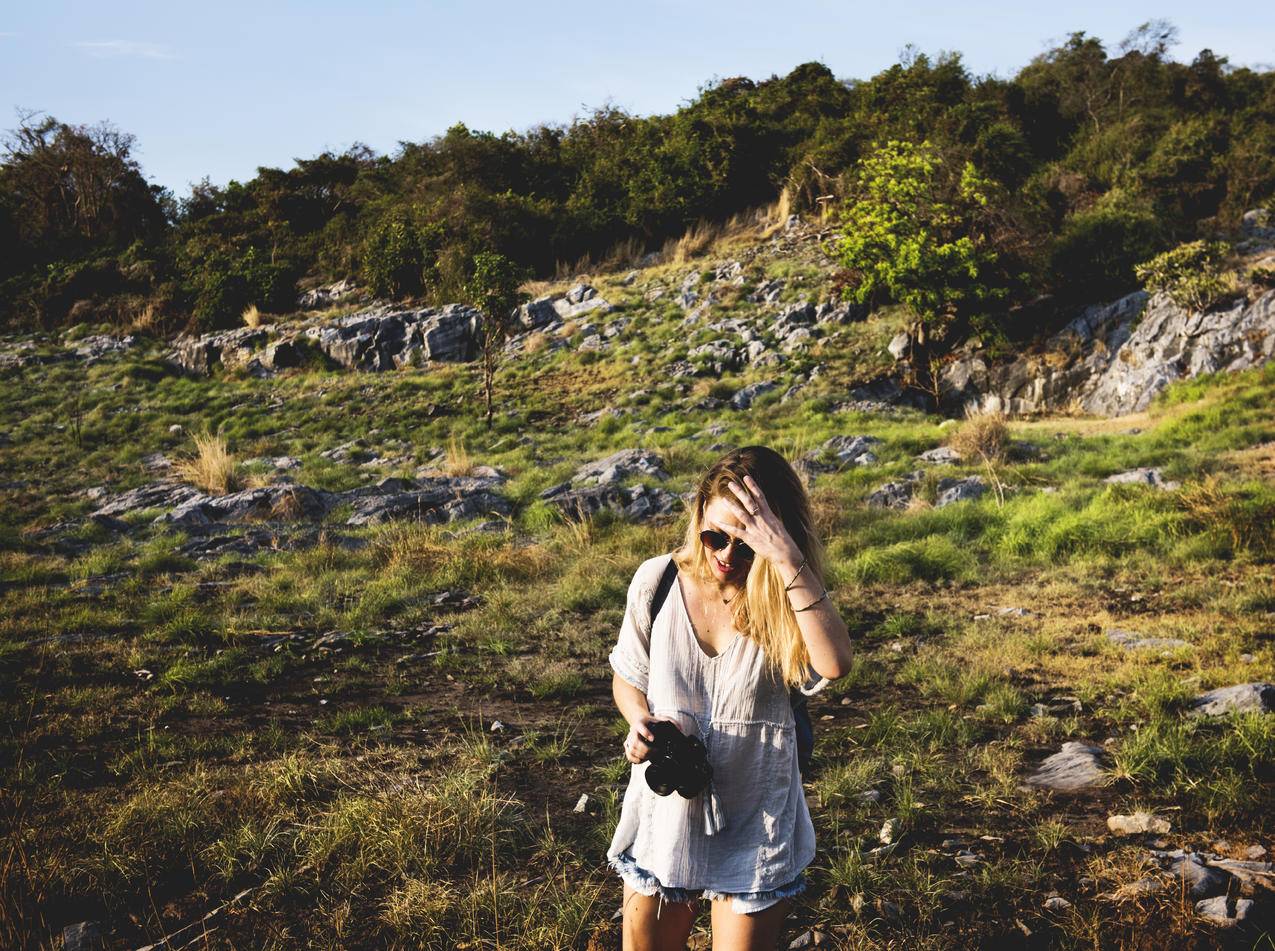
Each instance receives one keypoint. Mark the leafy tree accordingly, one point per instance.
(492, 288)
(910, 234)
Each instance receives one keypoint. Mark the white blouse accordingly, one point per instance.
(750, 831)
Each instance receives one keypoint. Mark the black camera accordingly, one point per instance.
(676, 761)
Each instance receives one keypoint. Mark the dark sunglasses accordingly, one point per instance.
(716, 541)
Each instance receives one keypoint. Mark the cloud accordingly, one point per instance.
(134, 48)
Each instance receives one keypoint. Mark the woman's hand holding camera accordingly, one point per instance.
(638, 743)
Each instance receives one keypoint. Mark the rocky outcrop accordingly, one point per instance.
(1114, 358)
(375, 339)
(427, 499)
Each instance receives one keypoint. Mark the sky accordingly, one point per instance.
(218, 89)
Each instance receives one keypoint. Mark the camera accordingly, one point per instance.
(676, 762)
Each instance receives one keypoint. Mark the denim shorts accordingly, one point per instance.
(742, 903)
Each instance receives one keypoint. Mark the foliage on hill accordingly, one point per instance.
(1092, 160)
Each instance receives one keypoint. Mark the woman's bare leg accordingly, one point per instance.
(654, 925)
(756, 932)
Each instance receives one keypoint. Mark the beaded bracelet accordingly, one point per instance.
(814, 602)
(788, 586)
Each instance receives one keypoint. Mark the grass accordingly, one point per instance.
(391, 814)
(211, 466)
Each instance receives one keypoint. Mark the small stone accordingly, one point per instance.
(1057, 903)
(886, 835)
(497, 726)
(83, 936)
(1241, 698)
(1075, 766)
(323, 702)
(1217, 910)
(870, 796)
(143, 674)
(1254, 852)
(581, 803)
(966, 859)
(175, 429)
(1137, 824)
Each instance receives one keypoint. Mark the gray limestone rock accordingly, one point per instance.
(1131, 640)
(624, 464)
(1142, 476)
(891, 495)
(1223, 911)
(1240, 698)
(940, 455)
(745, 397)
(1075, 767)
(959, 490)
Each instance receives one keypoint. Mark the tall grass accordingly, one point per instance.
(211, 466)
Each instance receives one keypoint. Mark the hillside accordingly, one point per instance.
(348, 686)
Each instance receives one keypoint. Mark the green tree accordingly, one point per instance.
(911, 233)
(492, 288)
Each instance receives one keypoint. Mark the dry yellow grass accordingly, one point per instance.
(458, 462)
(252, 316)
(984, 436)
(211, 467)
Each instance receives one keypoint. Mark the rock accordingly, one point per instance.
(744, 398)
(628, 279)
(83, 936)
(898, 345)
(870, 796)
(1221, 912)
(1142, 476)
(625, 464)
(326, 295)
(940, 455)
(1016, 612)
(94, 348)
(850, 450)
(1193, 869)
(1241, 698)
(959, 490)
(1075, 767)
(497, 726)
(1131, 640)
(1258, 223)
(582, 803)
(579, 300)
(1057, 707)
(716, 357)
(1057, 903)
(266, 502)
(886, 835)
(891, 495)
(1140, 823)
(1113, 359)
(807, 939)
(446, 500)
(166, 494)
(638, 503)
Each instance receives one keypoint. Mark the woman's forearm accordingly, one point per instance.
(630, 701)
(826, 636)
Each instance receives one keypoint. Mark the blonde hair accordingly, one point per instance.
(762, 611)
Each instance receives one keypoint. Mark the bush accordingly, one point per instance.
(399, 259)
(1095, 255)
(1191, 274)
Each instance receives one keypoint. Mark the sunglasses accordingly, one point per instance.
(716, 541)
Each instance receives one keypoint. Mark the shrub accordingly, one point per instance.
(1191, 274)
(983, 436)
(399, 258)
(1098, 248)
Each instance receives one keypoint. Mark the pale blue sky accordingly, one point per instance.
(218, 88)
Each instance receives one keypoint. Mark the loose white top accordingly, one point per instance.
(764, 836)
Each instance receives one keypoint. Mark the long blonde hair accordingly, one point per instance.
(762, 612)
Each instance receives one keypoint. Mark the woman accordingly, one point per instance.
(747, 617)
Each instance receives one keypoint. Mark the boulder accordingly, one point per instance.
(1241, 698)
(1142, 476)
(537, 313)
(940, 455)
(1076, 766)
(891, 495)
(959, 490)
(850, 450)
(639, 502)
(1223, 911)
(579, 300)
(1140, 823)
(326, 295)
(745, 397)
(624, 464)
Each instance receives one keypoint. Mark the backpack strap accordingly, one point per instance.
(662, 589)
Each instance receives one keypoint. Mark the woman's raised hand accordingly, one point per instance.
(759, 526)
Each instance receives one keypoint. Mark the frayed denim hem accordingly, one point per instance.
(742, 903)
